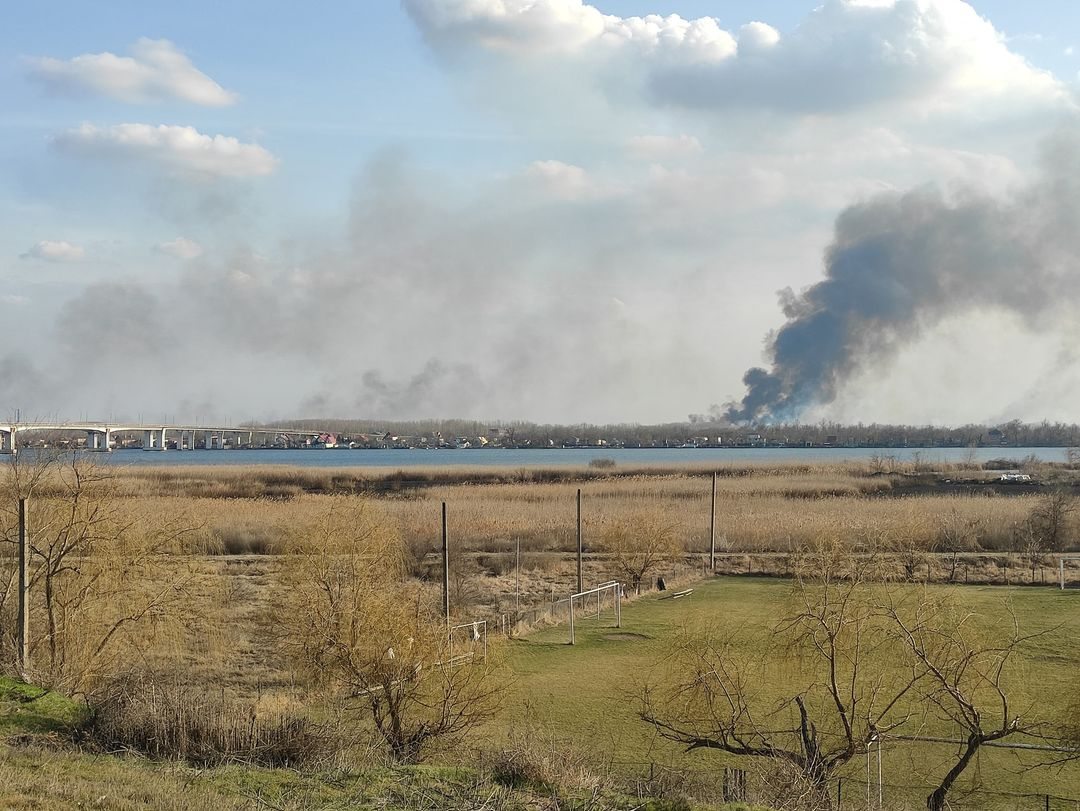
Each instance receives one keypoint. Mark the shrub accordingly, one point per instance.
(602, 463)
(246, 540)
(173, 722)
(523, 763)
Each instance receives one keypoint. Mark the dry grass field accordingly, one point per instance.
(769, 508)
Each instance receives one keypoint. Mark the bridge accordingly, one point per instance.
(99, 435)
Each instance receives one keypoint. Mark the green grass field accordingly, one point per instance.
(586, 694)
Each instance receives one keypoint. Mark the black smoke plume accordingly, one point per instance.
(902, 263)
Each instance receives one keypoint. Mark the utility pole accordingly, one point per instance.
(517, 579)
(579, 586)
(445, 567)
(24, 592)
(712, 527)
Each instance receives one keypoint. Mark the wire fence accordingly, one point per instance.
(601, 606)
(736, 785)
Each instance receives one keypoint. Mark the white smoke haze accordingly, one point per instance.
(181, 248)
(523, 301)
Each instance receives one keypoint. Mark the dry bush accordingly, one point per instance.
(531, 760)
(247, 539)
(354, 626)
(175, 722)
(642, 545)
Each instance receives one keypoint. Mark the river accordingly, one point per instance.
(561, 457)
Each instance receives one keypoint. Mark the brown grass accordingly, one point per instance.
(774, 508)
(172, 721)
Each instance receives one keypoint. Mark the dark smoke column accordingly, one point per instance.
(901, 263)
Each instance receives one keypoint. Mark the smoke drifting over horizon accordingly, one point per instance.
(900, 264)
(429, 303)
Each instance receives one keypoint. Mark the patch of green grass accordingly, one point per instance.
(46, 780)
(25, 708)
(587, 693)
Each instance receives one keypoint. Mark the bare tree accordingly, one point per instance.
(1050, 518)
(963, 680)
(721, 698)
(641, 545)
(102, 582)
(1045, 530)
(956, 534)
(354, 626)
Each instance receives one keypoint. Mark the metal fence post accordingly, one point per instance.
(571, 601)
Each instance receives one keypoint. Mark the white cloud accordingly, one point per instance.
(55, 251)
(180, 149)
(564, 181)
(14, 300)
(156, 71)
(661, 147)
(846, 55)
(181, 248)
(567, 26)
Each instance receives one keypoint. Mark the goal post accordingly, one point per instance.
(476, 636)
(1061, 568)
(616, 599)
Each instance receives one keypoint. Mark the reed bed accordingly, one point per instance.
(752, 514)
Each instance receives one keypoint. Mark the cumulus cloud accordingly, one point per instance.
(567, 26)
(181, 248)
(181, 150)
(846, 55)
(55, 251)
(156, 71)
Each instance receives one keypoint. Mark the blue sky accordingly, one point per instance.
(437, 207)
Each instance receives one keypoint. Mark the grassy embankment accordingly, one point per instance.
(41, 769)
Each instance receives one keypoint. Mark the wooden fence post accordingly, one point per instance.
(445, 567)
(24, 592)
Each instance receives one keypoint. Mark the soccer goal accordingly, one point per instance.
(472, 640)
(583, 598)
(1061, 567)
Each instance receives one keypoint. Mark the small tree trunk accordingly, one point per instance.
(936, 801)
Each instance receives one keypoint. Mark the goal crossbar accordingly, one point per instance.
(616, 594)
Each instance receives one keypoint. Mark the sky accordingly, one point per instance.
(543, 210)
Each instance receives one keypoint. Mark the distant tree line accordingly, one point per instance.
(705, 430)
